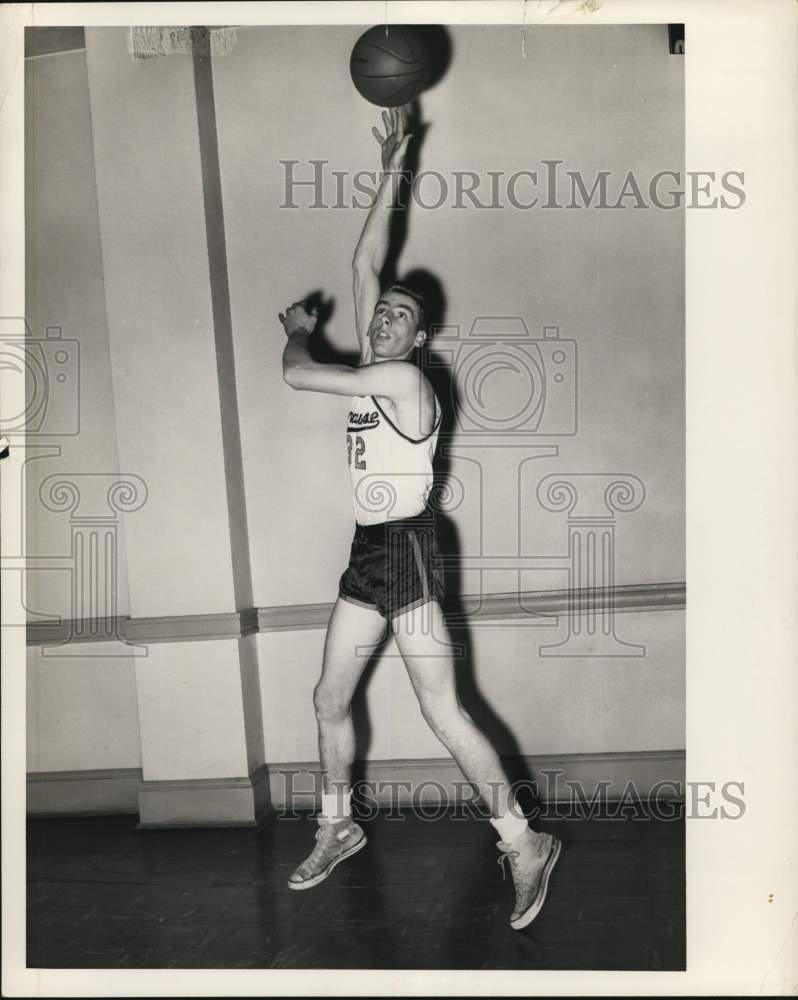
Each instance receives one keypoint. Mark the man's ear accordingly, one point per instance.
(421, 336)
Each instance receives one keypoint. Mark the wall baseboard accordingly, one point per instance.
(122, 791)
(112, 791)
(439, 780)
(236, 624)
(245, 801)
(237, 801)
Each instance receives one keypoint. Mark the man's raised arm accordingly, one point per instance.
(372, 247)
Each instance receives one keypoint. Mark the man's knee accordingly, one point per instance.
(329, 705)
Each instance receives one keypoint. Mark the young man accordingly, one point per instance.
(394, 563)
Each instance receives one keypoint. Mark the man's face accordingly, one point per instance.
(393, 332)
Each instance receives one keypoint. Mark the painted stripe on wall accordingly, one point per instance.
(234, 624)
(222, 323)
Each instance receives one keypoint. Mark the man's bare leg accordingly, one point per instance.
(352, 630)
(351, 634)
(425, 644)
(423, 640)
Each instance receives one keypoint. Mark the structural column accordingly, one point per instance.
(164, 264)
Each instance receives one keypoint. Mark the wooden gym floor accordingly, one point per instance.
(421, 895)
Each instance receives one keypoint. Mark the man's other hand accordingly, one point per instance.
(297, 319)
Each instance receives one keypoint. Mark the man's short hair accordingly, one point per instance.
(417, 298)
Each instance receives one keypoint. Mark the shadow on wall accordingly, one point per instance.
(471, 698)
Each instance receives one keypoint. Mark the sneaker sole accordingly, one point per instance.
(310, 882)
(529, 915)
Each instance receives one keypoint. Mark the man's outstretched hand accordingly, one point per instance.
(394, 145)
(297, 319)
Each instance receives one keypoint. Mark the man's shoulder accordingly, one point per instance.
(410, 379)
(402, 372)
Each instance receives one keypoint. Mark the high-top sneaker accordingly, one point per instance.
(532, 857)
(334, 843)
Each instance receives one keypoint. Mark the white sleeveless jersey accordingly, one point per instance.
(391, 472)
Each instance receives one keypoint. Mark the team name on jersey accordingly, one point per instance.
(363, 421)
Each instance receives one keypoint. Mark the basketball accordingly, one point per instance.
(390, 65)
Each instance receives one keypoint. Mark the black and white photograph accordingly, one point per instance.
(352, 460)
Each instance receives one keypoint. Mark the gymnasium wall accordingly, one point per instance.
(609, 99)
(612, 281)
(65, 291)
(81, 707)
(530, 704)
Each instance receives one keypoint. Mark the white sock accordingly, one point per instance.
(336, 806)
(510, 826)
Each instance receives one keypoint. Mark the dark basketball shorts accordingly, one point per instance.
(394, 566)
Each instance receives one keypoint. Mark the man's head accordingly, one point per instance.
(398, 325)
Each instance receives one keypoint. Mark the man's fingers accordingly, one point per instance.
(386, 121)
(297, 305)
(376, 133)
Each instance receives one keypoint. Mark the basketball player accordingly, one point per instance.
(395, 567)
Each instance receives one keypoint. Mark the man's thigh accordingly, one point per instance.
(425, 644)
(353, 634)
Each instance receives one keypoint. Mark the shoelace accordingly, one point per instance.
(509, 855)
(317, 851)
(319, 848)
